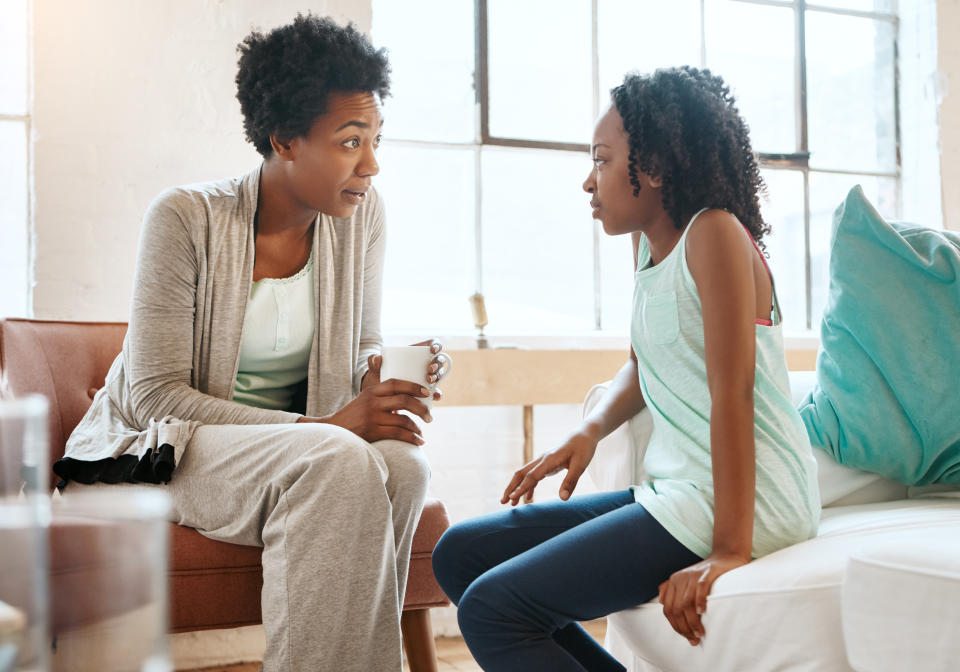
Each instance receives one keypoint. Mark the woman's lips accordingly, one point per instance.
(355, 197)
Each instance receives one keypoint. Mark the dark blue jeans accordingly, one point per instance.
(523, 577)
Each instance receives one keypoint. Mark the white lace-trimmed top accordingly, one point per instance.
(277, 337)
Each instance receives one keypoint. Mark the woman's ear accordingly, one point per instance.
(282, 148)
(656, 181)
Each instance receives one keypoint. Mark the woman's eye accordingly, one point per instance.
(352, 143)
(597, 161)
(377, 141)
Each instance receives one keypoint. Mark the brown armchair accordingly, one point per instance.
(212, 584)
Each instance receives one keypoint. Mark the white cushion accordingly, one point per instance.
(783, 610)
(901, 605)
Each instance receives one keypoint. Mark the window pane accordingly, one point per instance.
(827, 192)
(616, 282)
(429, 274)
(645, 35)
(783, 211)
(859, 5)
(752, 47)
(13, 57)
(13, 219)
(540, 70)
(432, 95)
(850, 80)
(537, 241)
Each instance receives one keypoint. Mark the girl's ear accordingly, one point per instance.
(656, 181)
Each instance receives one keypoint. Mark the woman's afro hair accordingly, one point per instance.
(683, 126)
(285, 77)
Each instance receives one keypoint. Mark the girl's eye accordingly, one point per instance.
(597, 161)
(352, 143)
(377, 140)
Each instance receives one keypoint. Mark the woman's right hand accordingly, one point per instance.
(574, 455)
(374, 414)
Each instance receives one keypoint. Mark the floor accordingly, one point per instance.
(452, 654)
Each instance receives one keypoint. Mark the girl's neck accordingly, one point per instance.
(662, 236)
(278, 209)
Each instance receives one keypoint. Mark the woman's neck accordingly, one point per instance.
(278, 209)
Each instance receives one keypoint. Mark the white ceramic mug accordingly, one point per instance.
(410, 362)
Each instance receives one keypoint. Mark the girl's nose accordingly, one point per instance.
(588, 184)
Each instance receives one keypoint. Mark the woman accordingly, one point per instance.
(249, 377)
(731, 473)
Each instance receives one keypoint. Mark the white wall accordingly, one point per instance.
(131, 97)
(948, 24)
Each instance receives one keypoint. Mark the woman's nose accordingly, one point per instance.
(369, 166)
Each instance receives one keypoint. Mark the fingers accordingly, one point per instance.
(404, 402)
(688, 610)
(704, 584)
(398, 420)
(389, 388)
(399, 433)
(518, 476)
(374, 362)
(434, 372)
(546, 466)
(437, 395)
(574, 472)
(435, 345)
(667, 599)
(678, 610)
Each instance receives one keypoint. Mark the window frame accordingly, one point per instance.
(27, 120)
(798, 160)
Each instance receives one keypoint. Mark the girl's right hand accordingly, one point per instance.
(373, 415)
(574, 455)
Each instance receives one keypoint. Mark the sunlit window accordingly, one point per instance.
(488, 132)
(14, 159)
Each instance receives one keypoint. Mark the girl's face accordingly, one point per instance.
(330, 169)
(609, 185)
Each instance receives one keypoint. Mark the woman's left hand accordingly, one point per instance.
(684, 594)
(434, 372)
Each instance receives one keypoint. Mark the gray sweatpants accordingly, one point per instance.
(335, 516)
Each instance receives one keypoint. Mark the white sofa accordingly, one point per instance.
(878, 588)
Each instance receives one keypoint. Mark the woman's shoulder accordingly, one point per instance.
(201, 194)
(200, 204)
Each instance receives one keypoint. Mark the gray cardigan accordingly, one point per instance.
(182, 349)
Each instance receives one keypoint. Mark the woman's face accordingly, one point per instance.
(329, 170)
(609, 185)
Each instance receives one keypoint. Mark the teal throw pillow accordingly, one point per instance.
(887, 398)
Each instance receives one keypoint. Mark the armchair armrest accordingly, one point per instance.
(618, 462)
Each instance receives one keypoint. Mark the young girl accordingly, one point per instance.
(731, 472)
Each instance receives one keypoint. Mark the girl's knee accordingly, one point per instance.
(481, 605)
(452, 561)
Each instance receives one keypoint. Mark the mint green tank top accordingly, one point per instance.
(276, 340)
(667, 336)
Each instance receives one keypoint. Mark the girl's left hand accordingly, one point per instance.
(684, 594)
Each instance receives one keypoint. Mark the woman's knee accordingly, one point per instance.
(407, 466)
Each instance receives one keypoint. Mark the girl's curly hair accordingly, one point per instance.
(684, 127)
(285, 77)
